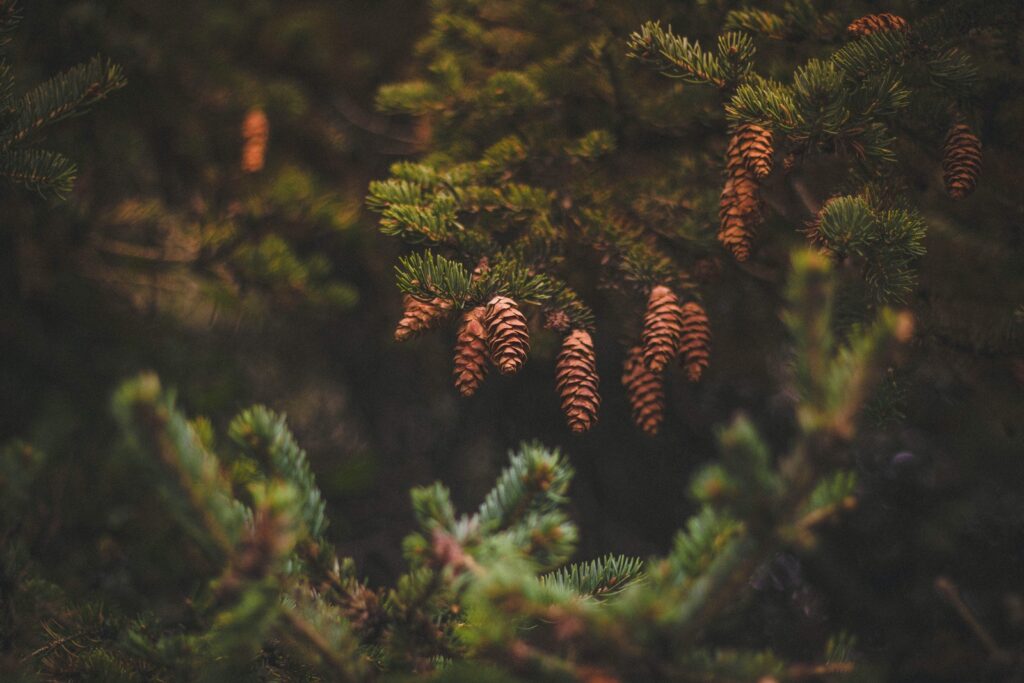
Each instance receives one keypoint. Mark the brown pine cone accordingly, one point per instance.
(471, 352)
(695, 347)
(508, 337)
(420, 316)
(663, 328)
(961, 161)
(645, 392)
(751, 146)
(577, 381)
(255, 135)
(740, 211)
(872, 23)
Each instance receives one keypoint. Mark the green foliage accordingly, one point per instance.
(24, 117)
(552, 156)
(597, 578)
(480, 586)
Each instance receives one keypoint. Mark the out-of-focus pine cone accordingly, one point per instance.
(663, 328)
(508, 337)
(961, 161)
(255, 136)
(577, 381)
(872, 23)
(471, 352)
(645, 392)
(695, 347)
(419, 316)
(751, 146)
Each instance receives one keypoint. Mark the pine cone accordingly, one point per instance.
(751, 146)
(961, 161)
(663, 328)
(255, 135)
(872, 23)
(419, 316)
(644, 391)
(740, 212)
(695, 347)
(508, 337)
(471, 352)
(576, 380)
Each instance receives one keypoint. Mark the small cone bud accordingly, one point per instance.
(961, 161)
(471, 352)
(419, 316)
(645, 392)
(508, 337)
(663, 328)
(255, 135)
(577, 381)
(695, 347)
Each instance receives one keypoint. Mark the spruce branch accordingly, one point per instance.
(64, 95)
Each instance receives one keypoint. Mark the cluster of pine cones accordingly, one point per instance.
(749, 160)
(497, 334)
(961, 158)
(671, 329)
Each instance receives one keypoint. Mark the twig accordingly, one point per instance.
(306, 630)
(815, 670)
(948, 590)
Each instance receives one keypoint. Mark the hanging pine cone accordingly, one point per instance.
(255, 135)
(420, 316)
(695, 347)
(740, 212)
(508, 337)
(663, 328)
(645, 392)
(471, 352)
(751, 146)
(576, 380)
(961, 161)
(872, 23)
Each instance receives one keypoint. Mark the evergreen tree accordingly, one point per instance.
(273, 601)
(825, 195)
